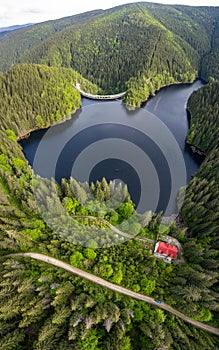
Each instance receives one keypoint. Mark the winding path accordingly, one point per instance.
(114, 228)
(99, 97)
(116, 288)
(165, 238)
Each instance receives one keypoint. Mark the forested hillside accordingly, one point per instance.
(203, 106)
(17, 43)
(36, 96)
(105, 50)
(201, 207)
(171, 44)
(6, 30)
(42, 307)
(210, 64)
(138, 47)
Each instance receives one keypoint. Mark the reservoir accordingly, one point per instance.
(144, 148)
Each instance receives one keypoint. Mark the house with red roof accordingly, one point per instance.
(165, 251)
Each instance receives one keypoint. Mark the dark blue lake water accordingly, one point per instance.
(144, 148)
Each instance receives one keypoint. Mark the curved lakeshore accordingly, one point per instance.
(168, 102)
(27, 134)
(85, 95)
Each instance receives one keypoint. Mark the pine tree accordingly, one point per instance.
(106, 189)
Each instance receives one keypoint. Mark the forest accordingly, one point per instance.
(54, 308)
(172, 44)
(44, 307)
(201, 206)
(35, 96)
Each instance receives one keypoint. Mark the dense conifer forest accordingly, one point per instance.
(201, 207)
(171, 43)
(34, 96)
(44, 307)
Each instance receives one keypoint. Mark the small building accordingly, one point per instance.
(165, 251)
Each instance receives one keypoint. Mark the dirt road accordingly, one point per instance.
(116, 288)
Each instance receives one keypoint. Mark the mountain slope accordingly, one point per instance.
(106, 51)
(210, 63)
(35, 96)
(200, 210)
(203, 106)
(6, 30)
(142, 41)
(43, 308)
(16, 43)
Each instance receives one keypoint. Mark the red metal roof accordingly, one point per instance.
(167, 249)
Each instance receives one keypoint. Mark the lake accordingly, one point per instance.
(144, 148)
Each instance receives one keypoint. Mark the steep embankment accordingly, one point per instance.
(32, 97)
(201, 206)
(210, 62)
(203, 106)
(35, 96)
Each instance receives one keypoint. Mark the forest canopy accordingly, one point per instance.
(171, 43)
(140, 47)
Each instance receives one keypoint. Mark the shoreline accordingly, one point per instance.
(195, 149)
(165, 86)
(27, 134)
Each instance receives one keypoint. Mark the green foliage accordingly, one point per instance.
(125, 210)
(44, 95)
(76, 258)
(201, 205)
(210, 62)
(90, 253)
(172, 43)
(44, 307)
(129, 32)
(18, 42)
(11, 135)
(203, 106)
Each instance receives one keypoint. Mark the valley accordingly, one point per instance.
(69, 225)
